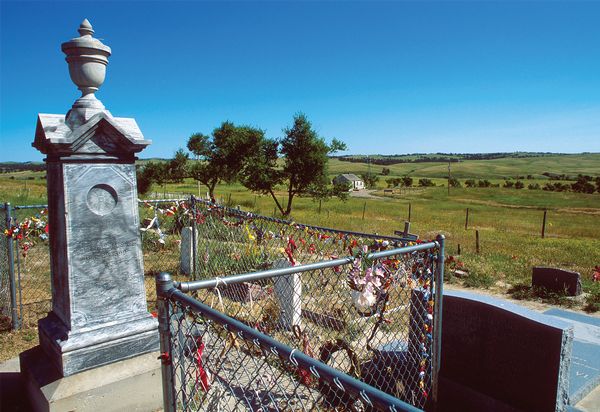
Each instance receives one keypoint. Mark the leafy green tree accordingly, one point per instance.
(519, 184)
(370, 180)
(304, 157)
(407, 181)
(176, 168)
(583, 185)
(385, 171)
(144, 179)
(508, 183)
(426, 183)
(393, 181)
(454, 182)
(470, 183)
(222, 157)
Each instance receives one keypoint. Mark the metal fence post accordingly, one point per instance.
(11, 270)
(437, 319)
(194, 239)
(164, 284)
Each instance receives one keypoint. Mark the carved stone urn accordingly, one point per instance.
(87, 58)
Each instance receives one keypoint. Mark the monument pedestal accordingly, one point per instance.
(118, 386)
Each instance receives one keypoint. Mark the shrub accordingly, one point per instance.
(519, 185)
(453, 182)
(508, 183)
(533, 186)
(470, 183)
(484, 183)
(426, 183)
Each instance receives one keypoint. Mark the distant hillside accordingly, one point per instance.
(438, 157)
(8, 167)
(539, 166)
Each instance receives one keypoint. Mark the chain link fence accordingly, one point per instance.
(369, 316)
(26, 294)
(191, 238)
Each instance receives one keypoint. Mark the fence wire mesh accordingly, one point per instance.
(26, 255)
(5, 277)
(191, 238)
(369, 318)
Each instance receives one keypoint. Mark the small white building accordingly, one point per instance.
(355, 182)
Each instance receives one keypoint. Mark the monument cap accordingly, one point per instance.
(87, 58)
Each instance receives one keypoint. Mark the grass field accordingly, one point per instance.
(485, 169)
(508, 220)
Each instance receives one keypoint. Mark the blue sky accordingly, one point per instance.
(385, 77)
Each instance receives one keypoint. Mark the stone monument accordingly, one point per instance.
(99, 314)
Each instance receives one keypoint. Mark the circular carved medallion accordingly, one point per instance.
(101, 199)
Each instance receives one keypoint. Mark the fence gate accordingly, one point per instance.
(360, 332)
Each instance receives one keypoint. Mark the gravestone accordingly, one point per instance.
(187, 250)
(497, 356)
(99, 312)
(557, 280)
(288, 290)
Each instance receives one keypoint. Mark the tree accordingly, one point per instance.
(407, 181)
(304, 156)
(393, 181)
(454, 182)
(176, 168)
(519, 184)
(150, 173)
(222, 156)
(385, 171)
(508, 183)
(583, 185)
(145, 177)
(470, 183)
(370, 180)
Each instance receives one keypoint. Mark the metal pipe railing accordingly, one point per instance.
(255, 276)
(300, 225)
(437, 320)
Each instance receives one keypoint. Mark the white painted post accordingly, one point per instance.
(288, 290)
(187, 250)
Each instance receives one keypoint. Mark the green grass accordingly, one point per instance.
(484, 169)
(508, 220)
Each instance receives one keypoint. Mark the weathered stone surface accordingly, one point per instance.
(98, 287)
(502, 357)
(187, 250)
(288, 290)
(99, 313)
(244, 292)
(132, 385)
(557, 280)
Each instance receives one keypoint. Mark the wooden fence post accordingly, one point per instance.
(409, 211)
(477, 241)
(544, 224)
(364, 209)
(467, 220)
